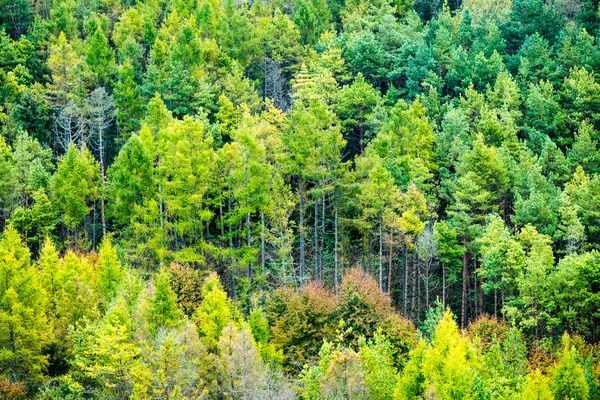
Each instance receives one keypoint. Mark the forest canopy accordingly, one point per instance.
(316, 199)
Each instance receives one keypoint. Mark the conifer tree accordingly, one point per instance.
(23, 323)
(214, 312)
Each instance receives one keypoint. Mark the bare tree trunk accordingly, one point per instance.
(405, 283)
(301, 227)
(231, 264)
(262, 241)
(380, 254)
(444, 284)
(427, 264)
(335, 246)
(322, 246)
(481, 294)
(463, 323)
(248, 243)
(413, 294)
(495, 303)
(390, 256)
(316, 239)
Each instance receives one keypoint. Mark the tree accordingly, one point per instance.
(530, 308)
(101, 114)
(503, 258)
(355, 105)
(243, 373)
(174, 364)
(300, 321)
(450, 364)
(77, 299)
(68, 78)
(380, 374)
(362, 305)
(17, 17)
(215, 311)
(568, 381)
(185, 173)
(128, 101)
(23, 323)
(75, 186)
(313, 142)
(406, 143)
(36, 222)
(162, 311)
(537, 387)
(379, 198)
(339, 374)
(105, 357)
(130, 180)
(482, 180)
(449, 254)
(50, 268)
(110, 273)
(100, 58)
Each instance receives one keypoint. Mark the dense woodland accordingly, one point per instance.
(317, 199)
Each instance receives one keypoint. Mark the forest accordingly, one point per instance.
(300, 199)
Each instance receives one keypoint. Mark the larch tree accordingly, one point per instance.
(23, 323)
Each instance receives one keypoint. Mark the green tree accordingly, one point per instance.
(110, 273)
(100, 58)
(450, 364)
(131, 179)
(568, 380)
(537, 387)
(162, 311)
(23, 323)
(128, 101)
(380, 374)
(355, 106)
(215, 311)
(75, 186)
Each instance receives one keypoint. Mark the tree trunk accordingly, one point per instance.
(380, 253)
(262, 241)
(322, 246)
(102, 214)
(427, 285)
(481, 294)
(248, 243)
(405, 283)
(444, 285)
(231, 264)
(464, 290)
(495, 303)
(390, 256)
(413, 294)
(301, 228)
(335, 246)
(316, 240)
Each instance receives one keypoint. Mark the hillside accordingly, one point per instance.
(317, 199)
